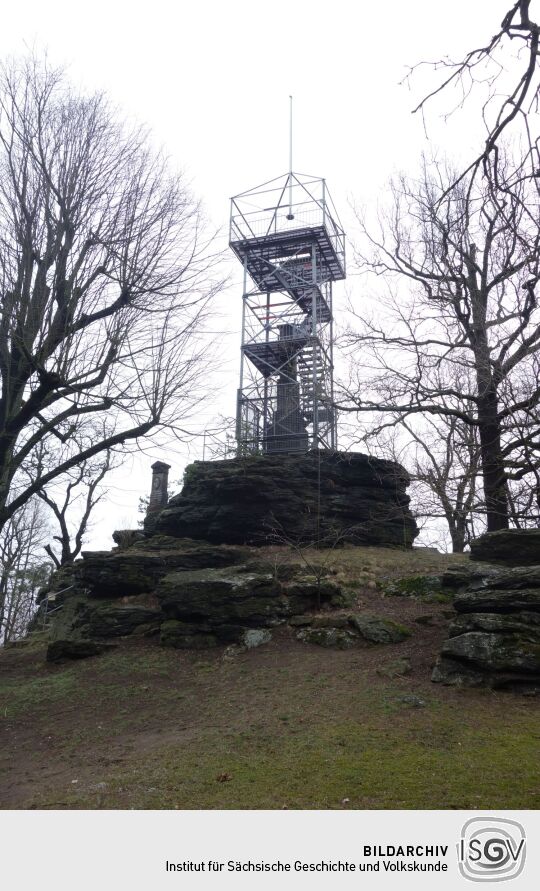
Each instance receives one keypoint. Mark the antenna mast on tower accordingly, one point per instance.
(288, 237)
(290, 215)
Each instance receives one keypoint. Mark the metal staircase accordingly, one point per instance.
(288, 238)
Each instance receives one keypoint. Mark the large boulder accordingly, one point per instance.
(378, 629)
(118, 574)
(137, 569)
(119, 620)
(495, 600)
(322, 496)
(83, 618)
(460, 576)
(131, 591)
(522, 622)
(338, 638)
(221, 597)
(514, 547)
(494, 652)
(495, 638)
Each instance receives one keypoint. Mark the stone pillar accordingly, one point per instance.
(159, 495)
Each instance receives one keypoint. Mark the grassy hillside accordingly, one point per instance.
(286, 725)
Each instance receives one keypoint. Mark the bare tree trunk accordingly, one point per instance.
(493, 469)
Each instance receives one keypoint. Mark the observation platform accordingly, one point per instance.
(279, 225)
(268, 257)
(269, 357)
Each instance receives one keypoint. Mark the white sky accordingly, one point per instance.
(212, 81)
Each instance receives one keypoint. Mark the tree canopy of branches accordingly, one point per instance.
(460, 254)
(464, 341)
(104, 277)
(23, 569)
(72, 502)
(509, 78)
(442, 456)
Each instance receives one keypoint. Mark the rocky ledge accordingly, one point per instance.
(512, 547)
(330, 497)
(494, 640)
(186, 594)
(193, 579)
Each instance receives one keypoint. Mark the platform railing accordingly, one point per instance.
(256, 224)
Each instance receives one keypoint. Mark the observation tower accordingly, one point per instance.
(287, 235)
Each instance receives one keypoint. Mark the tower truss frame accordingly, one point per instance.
(288, 237)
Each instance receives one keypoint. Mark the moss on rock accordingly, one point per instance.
(378, 629)
(339, 638)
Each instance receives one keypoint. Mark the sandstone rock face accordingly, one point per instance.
(347, 496)
(138, 569)
(513, 547)
(522, 622)
(163, 591)
(187, 581)
(105, 574)
(498, 600)
(339, 638)
(82, 618)
(225, 596)
(379, 630)
(496, 651)
(344, 631)
(112, 620)
(222, 605)
(495, 639)
(461, 576)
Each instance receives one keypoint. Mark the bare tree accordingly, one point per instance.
(23, 569)
(219, 440)
(467, 324)
(505, 73)
(105, 281)
(442, 457)
(467, 242)
(523, 459)
(72, 501)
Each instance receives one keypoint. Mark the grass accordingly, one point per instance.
(319, 766)
(287, 725)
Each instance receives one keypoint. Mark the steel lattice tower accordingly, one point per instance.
(288, 237)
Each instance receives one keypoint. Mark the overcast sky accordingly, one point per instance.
(212, 81)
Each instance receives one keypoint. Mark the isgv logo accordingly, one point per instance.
(491, 849)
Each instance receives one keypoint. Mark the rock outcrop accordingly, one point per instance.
(194, 580)
(379, 630)
(495, 638)
(187, 594)
(138, 569)
(320, 496)
(345, 631)
(512, 547)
